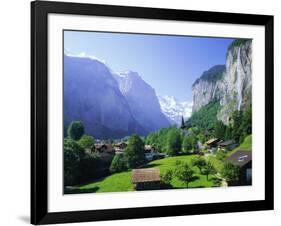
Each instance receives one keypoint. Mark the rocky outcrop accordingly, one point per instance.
(208, 87)
(231, 84)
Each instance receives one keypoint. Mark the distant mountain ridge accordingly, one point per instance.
(109, 105)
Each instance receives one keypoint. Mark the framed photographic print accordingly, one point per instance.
(145, 112)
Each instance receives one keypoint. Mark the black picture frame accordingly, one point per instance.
(39, 112)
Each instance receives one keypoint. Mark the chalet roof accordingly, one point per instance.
(227, 142)
(117, 149)
(99, 146)
(212, 141)
(240, 157)
(148, 147)
(107, 147)
(120, 143)
(146, 175)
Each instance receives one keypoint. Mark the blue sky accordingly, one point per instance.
(170, 64)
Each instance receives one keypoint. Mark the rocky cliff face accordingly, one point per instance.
(92, 95)
(208, 87)
(142, 100)
(231, 84)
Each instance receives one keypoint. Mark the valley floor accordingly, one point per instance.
(122, 181)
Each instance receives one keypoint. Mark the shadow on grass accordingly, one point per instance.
(194, 178)
(80, 191)
(150, 165)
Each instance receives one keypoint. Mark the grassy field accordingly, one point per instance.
(246, 145)
(122, 181)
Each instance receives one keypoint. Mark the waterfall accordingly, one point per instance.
(238, 80)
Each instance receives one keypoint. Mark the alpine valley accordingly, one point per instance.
(122, 135)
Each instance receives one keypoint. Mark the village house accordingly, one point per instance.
(105, 151)
(120, 147)
(212, 142)
(228, 144)
(212, 145)
(151, 153)
(244, 160)
(146, 179)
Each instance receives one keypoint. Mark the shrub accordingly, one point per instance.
(173, 142)
(184, 173)
(231, 172)
(73, 153)
(118, 164)
(221, 155)
(75, 130)
(199, 162)
(134, 152)
(167, 176)
(86, 141)
(208, 169)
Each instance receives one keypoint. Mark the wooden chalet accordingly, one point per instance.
(104, 150)
(228, 144)
(146, 179)
(149, 148)
(120, 147)
(244, 160)
(212, 142)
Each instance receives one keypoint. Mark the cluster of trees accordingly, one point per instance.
(205, 118)
(185, 173)
(239, 127)
(133, 156)
(166, 140)
(174, 141)
(80, 166)
(230, 173)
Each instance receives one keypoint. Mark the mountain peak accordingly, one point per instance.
(173, 109)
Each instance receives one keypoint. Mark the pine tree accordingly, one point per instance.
(182, 123)
(173, 142)
(134, 152)
(75, 130)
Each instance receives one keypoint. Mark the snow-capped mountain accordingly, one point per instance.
(174, 109)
